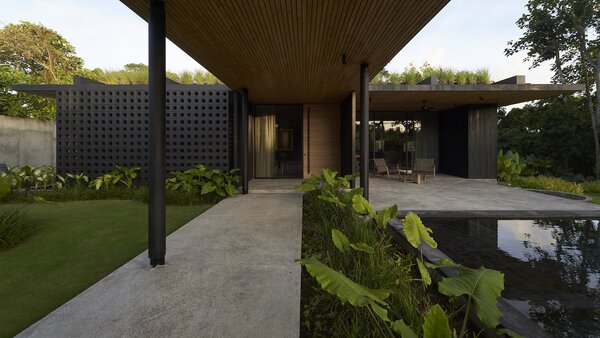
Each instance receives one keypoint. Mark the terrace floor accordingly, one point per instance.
(449, 196)
(230, 272)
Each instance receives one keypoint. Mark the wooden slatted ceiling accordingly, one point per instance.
(290, 51)
(409, 98)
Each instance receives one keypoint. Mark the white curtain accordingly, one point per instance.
(264, 146)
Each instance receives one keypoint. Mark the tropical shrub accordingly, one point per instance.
(14, 228)
(120, 176)
(510, 166)
(364, 285)
(199, 180)
(549, 183)
(591, 186)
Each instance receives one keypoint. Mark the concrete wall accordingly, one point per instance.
(27, 141)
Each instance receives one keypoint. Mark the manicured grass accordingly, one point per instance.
(75, 244)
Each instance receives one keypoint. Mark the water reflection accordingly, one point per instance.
(552, 267)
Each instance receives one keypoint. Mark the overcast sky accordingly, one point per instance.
(466, 34)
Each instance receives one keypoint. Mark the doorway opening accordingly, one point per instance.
(278, 141)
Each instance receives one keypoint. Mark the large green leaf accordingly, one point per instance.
(483, 286)
(416, 231)
(346, 290)
(5, 186)
(208, 187)
(404, 330)
(340, 240)
(306, 186)
(362, 247)
(330, 177)
(425, 277)
(386, 215)
(230, 189)
(509, 333)
(362, 206)
(436, 324)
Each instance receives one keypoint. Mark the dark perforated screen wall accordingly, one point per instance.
(100, 126)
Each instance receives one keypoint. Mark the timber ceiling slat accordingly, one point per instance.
(290, 51)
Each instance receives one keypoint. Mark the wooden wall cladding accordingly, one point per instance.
(321, 138)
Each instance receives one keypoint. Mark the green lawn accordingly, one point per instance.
(75, 244)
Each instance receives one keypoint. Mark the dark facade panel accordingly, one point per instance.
(100, 126)
(348, 135)
(454, 142)
(483, 141)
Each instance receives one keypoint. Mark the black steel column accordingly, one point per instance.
(244, 143)
(156, 119)
(364, 129)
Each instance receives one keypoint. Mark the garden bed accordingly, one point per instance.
(357, 282)
(566, 195)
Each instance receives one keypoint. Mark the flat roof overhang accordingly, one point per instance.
(413, 98)
(291, 51)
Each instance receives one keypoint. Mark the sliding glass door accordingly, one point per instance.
(278, 141)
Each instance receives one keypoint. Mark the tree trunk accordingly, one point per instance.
(558, 63)
(594, 113)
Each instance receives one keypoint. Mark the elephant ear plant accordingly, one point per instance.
(360, 246)
(481, 287)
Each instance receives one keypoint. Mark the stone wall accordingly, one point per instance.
(27, 141)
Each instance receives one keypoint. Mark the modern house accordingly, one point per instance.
(299, 76)
(100, 126)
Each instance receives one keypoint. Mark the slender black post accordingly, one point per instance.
(244, 136)
(156, 117)
(364, 129)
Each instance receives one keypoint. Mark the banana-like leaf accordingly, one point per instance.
(425, 277)
(484, 286)
(385, 216)
(340, 240)
(416, 231)
(362, 247)
(436, 324)
(362, 206)
(345, 289)
(404, 330)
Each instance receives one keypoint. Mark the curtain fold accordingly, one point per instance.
(264, 145)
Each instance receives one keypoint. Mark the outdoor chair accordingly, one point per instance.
(383, 168)
(424, 166)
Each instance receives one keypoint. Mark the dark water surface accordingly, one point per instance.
(551, 267)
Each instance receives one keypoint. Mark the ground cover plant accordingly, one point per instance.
(74, 245)
(196, 185)
(364, 286)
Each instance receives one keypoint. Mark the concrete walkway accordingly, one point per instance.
(230, 273)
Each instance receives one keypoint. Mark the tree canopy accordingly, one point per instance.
(566, 33)
(38, 52)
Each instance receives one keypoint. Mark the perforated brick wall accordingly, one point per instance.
(100, 126)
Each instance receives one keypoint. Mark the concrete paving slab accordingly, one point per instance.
(230, 272)
(448, 193)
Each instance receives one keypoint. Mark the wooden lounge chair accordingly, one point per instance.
(424, 166)
(383, 168)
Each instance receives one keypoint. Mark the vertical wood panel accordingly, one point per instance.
(322, 138)
(483, 142)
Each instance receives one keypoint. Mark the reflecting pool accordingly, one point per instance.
(551, 267)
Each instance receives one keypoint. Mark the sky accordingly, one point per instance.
(466, 34)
